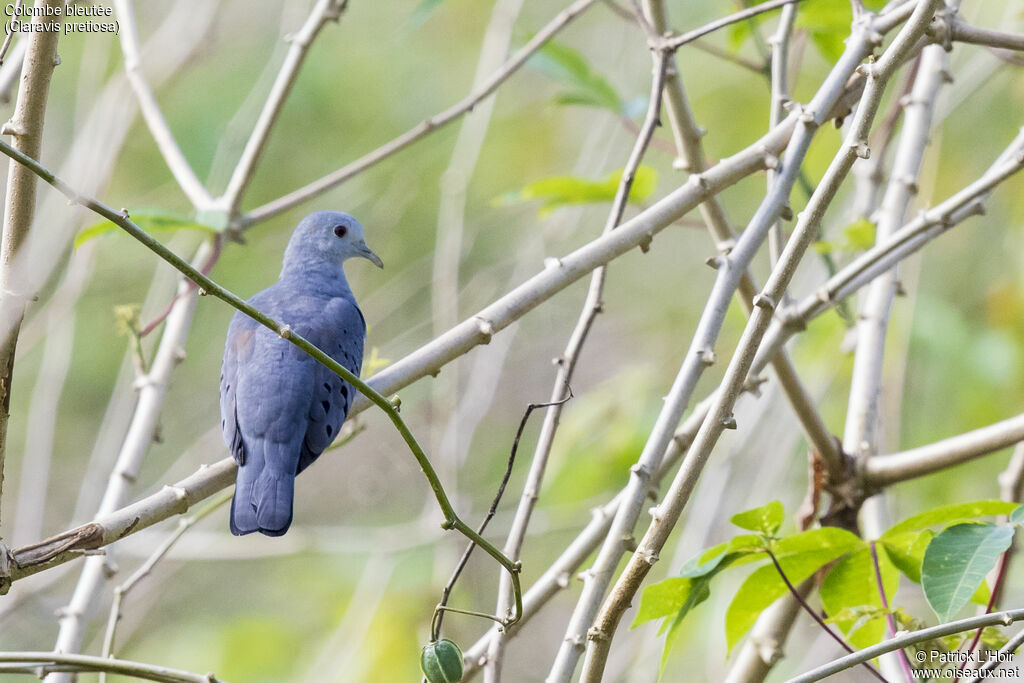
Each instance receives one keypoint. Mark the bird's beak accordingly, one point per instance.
(367, 253)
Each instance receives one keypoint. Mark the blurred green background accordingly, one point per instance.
(348, 594)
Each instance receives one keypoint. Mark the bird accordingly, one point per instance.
(279, 407)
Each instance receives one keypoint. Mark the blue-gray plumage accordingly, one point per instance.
(280, 408)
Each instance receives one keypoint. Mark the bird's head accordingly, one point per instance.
(331, 235)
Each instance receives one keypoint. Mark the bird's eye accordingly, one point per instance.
(340, 230)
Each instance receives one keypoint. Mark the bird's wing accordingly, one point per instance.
(238, 349)
(340, 331)
(273, 393)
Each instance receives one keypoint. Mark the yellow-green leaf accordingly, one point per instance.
(148, 220)
(948, 514)
(852, 585)
(766, 519)
(559, 191)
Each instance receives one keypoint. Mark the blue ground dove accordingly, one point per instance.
(280, 408)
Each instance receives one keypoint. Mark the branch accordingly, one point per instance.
(155, 121)
(678, 41)
(763, 647)
(558, 574)
(426, 127)
(907, 240)
(44, 662)
(861, 434)
(566, 363)
(796, 595)
(1005, 653)
(963, 32)
(884, 470)
(779, 84)
(559, 274)
(994, 619)
(665, 516)
(323, 12)
(76, 616)
(26, 127)
(688, 141)
(184, 524)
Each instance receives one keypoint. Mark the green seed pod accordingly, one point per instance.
(441, 661)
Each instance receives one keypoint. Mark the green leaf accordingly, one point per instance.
(678, 596)
(948, 514)
(828, 24)
(571, 68)
(670, 596)
(1017, 516)
(738, 34)
(859, 235)
(765, 520)
(150, 220)
(764, 586)
(813, 540)
(956, 562)
(751, 544)
(559, 191)
(850, 595)
(906, 551)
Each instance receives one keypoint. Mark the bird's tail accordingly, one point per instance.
(243, 511)
(272, 497)
(262, 502)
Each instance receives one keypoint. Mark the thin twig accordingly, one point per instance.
(890, 621)
(144, 570)
(906, 640)
(10, 34)
(591, 307)
(43, 662)
(676, 42)
(814, 615)
(439, 613)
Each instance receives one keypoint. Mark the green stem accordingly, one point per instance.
(123, 221)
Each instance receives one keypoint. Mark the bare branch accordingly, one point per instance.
(665, 516)
(151, 113)
(428, 126)
(184, 524)
(592, 305)
(884, 470)
(867, 654)
(26, 128)
(678, 41)
(558, 575)
(323, 12)
(44, 662)
(963, 32)
(905, 241)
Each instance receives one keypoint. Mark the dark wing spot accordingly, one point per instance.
(222, 423)
(326, 405)
(344, 391)
(330, 430)
(327, 386)
(227, 388)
